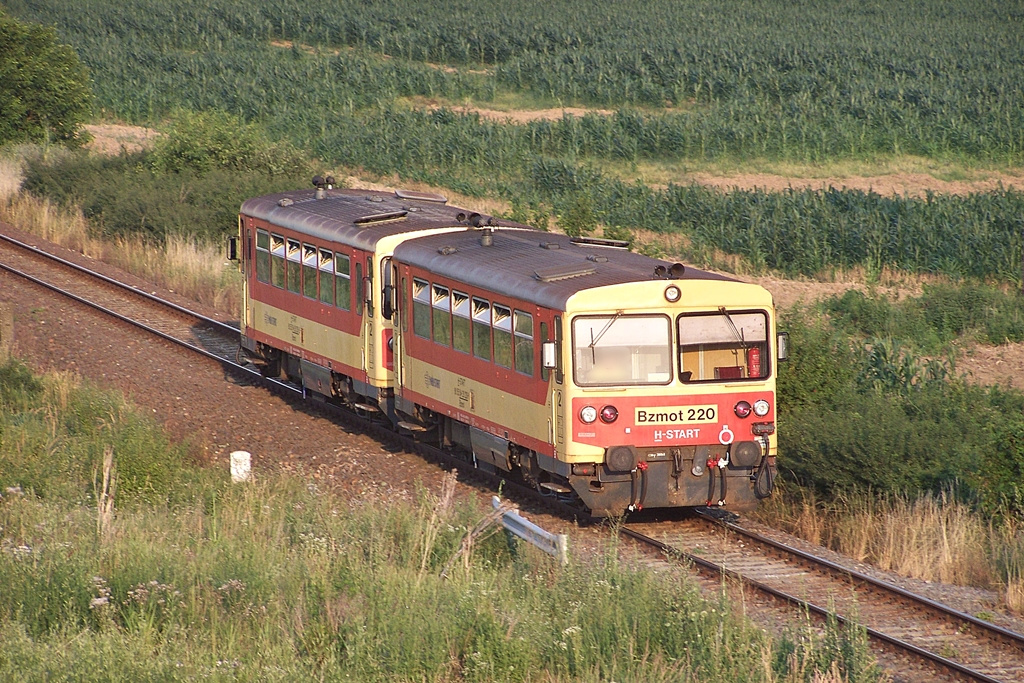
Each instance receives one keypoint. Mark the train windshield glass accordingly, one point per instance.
(622, 349)
(723, 346)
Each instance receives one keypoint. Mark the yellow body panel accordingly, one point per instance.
(310, 336)
(478, 404)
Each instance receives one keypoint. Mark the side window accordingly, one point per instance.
(342, 283)
(263, 256)
(326, 269)
(442, 316)
(460, 322)
(544, 372)
(294, 266)
(309, 270)
(524, 343)
(421, 308)
(503, 336)
(481, 329)
(359, 288)
(277, 260)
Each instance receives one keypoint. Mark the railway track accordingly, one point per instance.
(166, 319)
(963, 646)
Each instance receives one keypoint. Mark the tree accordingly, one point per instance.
(44, 92)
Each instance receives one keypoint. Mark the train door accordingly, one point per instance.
(399, 324)
(364, 308)
(557, 399)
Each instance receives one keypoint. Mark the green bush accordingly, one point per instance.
(126, 195)
(213, 140)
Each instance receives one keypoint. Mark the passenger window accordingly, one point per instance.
(342, 283)
(294, 275)
(524, 343)
(442, 316)
(460, 322)
(326, 268)
(421, 308)
(263, 256)
(481, 329)
(309, 270)
(277, 261)
(503, 336)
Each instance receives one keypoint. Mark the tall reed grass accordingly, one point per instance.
(931, 537)
(193, 268)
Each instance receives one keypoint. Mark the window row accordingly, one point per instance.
(305, 269)
(472, 325)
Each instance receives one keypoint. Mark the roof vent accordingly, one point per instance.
(550, 245)
(564, 272)
(601, 242)
(287, 201)
(422, 196)
(381, 217)
(487, 237)
(448, 251)
(597, 259)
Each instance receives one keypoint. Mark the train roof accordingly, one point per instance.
(543, 268)
(360, 218)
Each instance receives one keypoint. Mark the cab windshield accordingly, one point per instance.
(622, 349)
(723, 346)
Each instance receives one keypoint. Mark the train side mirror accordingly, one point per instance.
(548, 357)
(782, 346)
(232, 248)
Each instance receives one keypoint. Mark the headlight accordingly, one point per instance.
(588, 414)
(672, 294)
(761, 407)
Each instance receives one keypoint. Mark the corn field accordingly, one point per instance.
(791, 81)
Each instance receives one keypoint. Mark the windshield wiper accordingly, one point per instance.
(739, 335)
(593, 340)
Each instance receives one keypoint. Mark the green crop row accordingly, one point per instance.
(797, 81)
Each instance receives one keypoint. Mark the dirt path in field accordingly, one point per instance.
(984, 364)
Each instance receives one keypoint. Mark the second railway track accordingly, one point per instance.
(964, 646)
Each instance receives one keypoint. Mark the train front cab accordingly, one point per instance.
(669, 404)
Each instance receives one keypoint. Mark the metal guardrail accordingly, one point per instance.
(552, 544)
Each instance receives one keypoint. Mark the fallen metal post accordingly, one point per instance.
(552, 544)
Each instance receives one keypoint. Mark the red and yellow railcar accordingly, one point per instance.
(595, 373)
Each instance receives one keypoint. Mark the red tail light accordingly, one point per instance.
(609, 414)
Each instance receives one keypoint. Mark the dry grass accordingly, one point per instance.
(933, 538)
(194, 269)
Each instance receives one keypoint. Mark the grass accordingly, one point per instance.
(277, 580)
